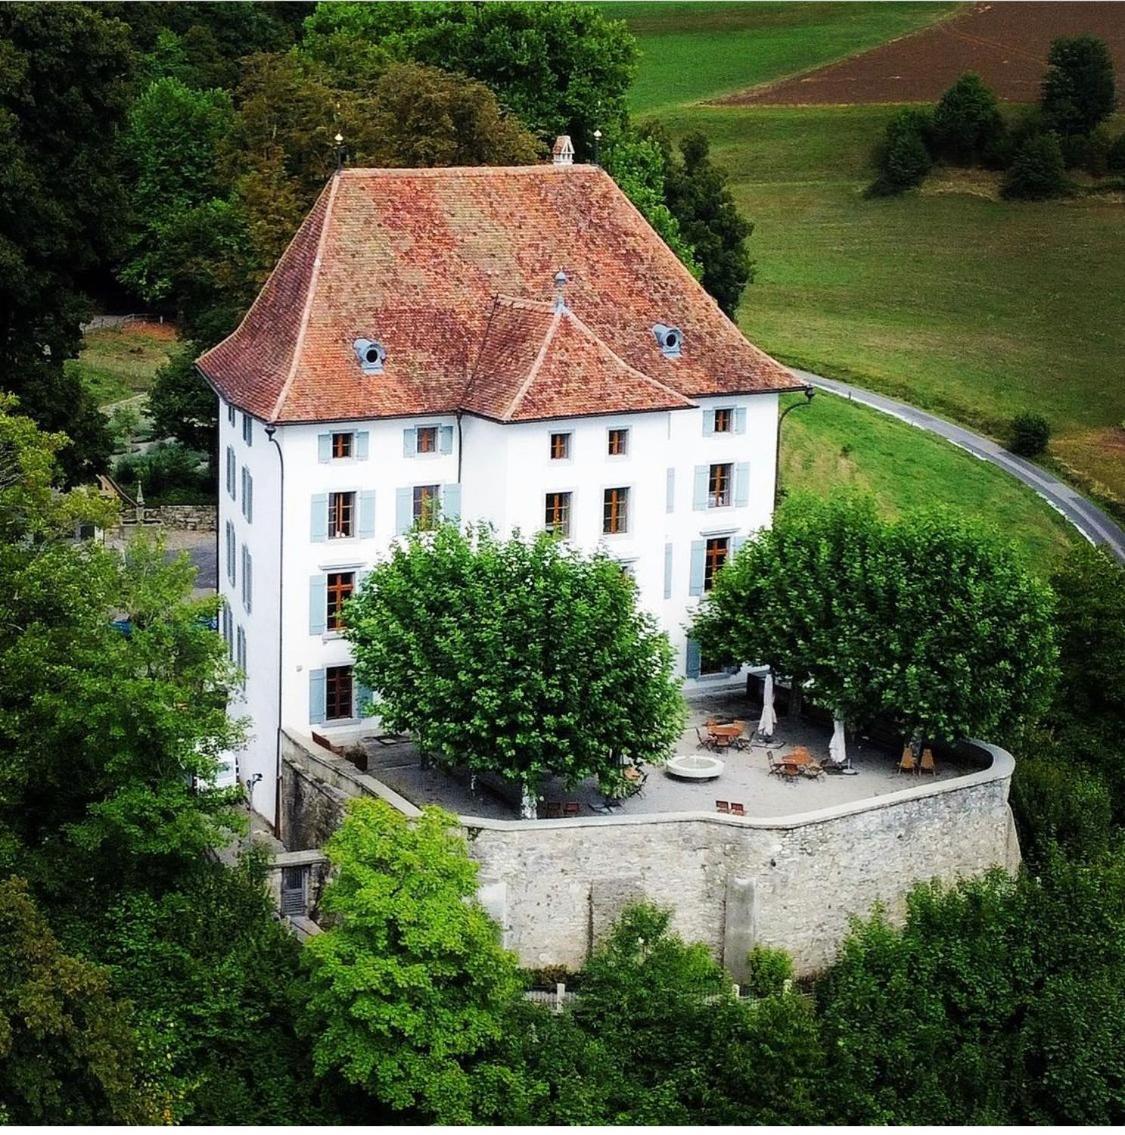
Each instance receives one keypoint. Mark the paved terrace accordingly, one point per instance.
(745, 778)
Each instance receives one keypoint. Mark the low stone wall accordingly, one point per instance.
(555, 886)
(185, 517)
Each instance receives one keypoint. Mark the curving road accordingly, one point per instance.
(1094, 524)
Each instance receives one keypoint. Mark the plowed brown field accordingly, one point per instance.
(1006, 43)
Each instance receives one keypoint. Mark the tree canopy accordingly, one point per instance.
(1078, 89)
(521, 657)
(927, 620)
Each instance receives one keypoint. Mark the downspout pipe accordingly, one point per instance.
(270, 433)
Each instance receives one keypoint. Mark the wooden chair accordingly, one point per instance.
(706, 741)
(774, 767)
(927, 762)
(635, 779)
(813, 770)
(570, 808)
(908, 763)
(723, 806)
(741, 740)
(737, 809)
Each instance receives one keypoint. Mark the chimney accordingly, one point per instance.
(562, 153)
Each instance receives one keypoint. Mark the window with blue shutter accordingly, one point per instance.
(318, 518)
(323, 448)
(708, 422)
(667, 571)
(230, 553)
(694, 657)
(230, 413)
(742, 484)
(698, 567)
(409, 442)
(700, 487)
(451, 502)
(316, 696)
(230, 472)
(740, 419)
(366, 528)
(247, 579)
(446, 439)
(362, 445)
(318, 603)
(247, 429)
(404, 511)
(362, 699)
(247, 493)
(670, 490)
(736, 543)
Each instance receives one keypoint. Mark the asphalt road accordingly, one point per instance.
(1094, 524)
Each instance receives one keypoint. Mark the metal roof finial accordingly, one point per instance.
(560, 289)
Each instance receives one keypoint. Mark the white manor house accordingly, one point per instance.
(513, 345)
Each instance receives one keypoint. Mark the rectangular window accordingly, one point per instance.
(560, 447)
(338, 692)
(247, 429)
(341, 515)
(425, 505)
(230, 414)
(718, 548)
(557, 517)
(230, 472)
(247, 578)
(247, 494)
(618, 443)
(615, 514)
(719, 486)
(240, 653)
(230, 552)
(427, 439)
(341, 584)
(712, 664)
(723, 420)
(343, 445)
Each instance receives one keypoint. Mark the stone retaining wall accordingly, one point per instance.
(185, 517)
(555, 886)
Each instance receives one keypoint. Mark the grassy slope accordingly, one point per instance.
(697, 51)
(117, 363)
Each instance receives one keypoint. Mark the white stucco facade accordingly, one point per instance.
(486, 471)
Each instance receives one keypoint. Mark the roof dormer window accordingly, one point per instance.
(371, 355)
(669, 338)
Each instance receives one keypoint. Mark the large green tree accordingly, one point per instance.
(64, 89)
(560, 68)
(927, 620)
(408, 988)
(1079, 89)
(521, 657)
(966, 123)
(67, 1052)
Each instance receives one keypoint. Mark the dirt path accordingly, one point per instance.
(1006, 43)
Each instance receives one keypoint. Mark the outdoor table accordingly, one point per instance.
(724, 735)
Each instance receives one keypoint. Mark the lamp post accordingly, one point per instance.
(809, 392)
(597, 144)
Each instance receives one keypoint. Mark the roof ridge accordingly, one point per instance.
(592, 334)
(548, 168)
(306, 311)
(514, 405)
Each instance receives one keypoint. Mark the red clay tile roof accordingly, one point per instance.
(416, 259)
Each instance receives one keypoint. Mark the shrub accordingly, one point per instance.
(902, 158)
(966, 121)
(1030, 434)
(169, 473)
(1093, 154)
(769, 970)
(1037, 171)
(1055, 801)
(1078, 89)
(1115, 157)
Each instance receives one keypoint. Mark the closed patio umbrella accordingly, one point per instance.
(767, 723)
(837, 747)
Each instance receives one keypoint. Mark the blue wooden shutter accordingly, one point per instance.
(700, 489)
(324, 447)
(692, 667)
(367, 514)
(360, 579)
(451, 502)
(362, 445)
(316, 696)
(247, 579)
(318, 526)
(446, 439)
(670, 490)
(409, 443)
(230, 552)
(667, 571)
(318, 603)
(362, 697)
(708, 422)
(742, 484)
(230, 472)
(698, 563)
(248, 496)
(735, 544)
(740, 419)
(404, 510)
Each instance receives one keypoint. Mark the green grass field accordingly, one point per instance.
(700, 51)
(948, 298)
(118, 363)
